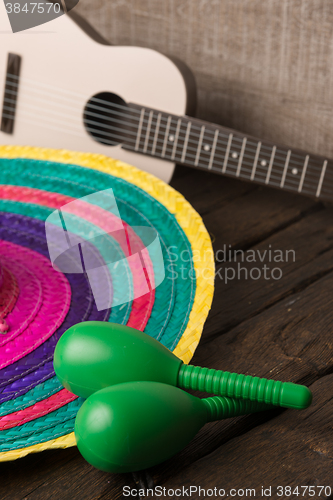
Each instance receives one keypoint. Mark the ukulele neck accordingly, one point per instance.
(195, 143)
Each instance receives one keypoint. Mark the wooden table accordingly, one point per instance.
(275, 328)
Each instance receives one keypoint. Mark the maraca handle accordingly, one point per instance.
(220, 407)
(233, 385)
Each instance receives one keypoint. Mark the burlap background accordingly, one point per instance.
(262, 66)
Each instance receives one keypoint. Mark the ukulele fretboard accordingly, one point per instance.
(203, 145)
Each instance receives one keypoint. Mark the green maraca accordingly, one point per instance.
(136, 425)
(93, 355)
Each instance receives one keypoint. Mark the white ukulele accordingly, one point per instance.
(62, 86)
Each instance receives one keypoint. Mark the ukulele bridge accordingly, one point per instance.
(10, 94)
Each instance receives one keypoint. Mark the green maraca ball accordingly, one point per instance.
(93, 355)
(133, 426)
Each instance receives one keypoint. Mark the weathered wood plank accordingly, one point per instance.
(289, 341)
(261, 67)
(293, 449)
(306, 248)
(67, 471)
(254, 216)
(207, 191)
(59, 474)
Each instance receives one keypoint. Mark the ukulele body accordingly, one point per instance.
(64, 63)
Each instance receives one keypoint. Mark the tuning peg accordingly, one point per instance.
(135, 425)
(93, 355)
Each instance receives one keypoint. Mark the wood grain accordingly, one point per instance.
(285, 333)
(291, 450)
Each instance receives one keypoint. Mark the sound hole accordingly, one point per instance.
(106, 118)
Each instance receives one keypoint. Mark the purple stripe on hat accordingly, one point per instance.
(36, 367)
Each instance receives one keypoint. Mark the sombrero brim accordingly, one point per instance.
(34, 183)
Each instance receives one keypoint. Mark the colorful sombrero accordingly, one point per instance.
(38, 302)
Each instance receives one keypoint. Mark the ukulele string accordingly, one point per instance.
(99, 132)
(138, 112)
(260, 177)
(111, 105)
(64, 129)
(133, 110)
(194, 149)
(217, 164)
(120, 138)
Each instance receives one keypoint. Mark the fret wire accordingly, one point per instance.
(253, 173)
(305, 166)
(262, 179)
(321, 180)
(277, 162)
(176, 140)
(112, 107)
(156, 133)
(226, 158)
(285, 169)
(241, 157)
(277, 156)
(268, 148)
(269, 171)
(292, 184)
(245, 156)
(295, 154)
(249, 171)
(137, 111)
(171, 138)
(272, 176)
(139, 129)
(12, 77)
(148, 131)
(263, 148)
(250, 164)
(166, 137)
(240, 139)
(276, 159)
(213, 149)
(191, 159)
(314, 160)
(236, 138)
(258, 180)
(259, 174)
(244, 162)
(188, 128)
(272, 183)
(199, 146)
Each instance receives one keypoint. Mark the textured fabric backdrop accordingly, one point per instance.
(263, 67)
